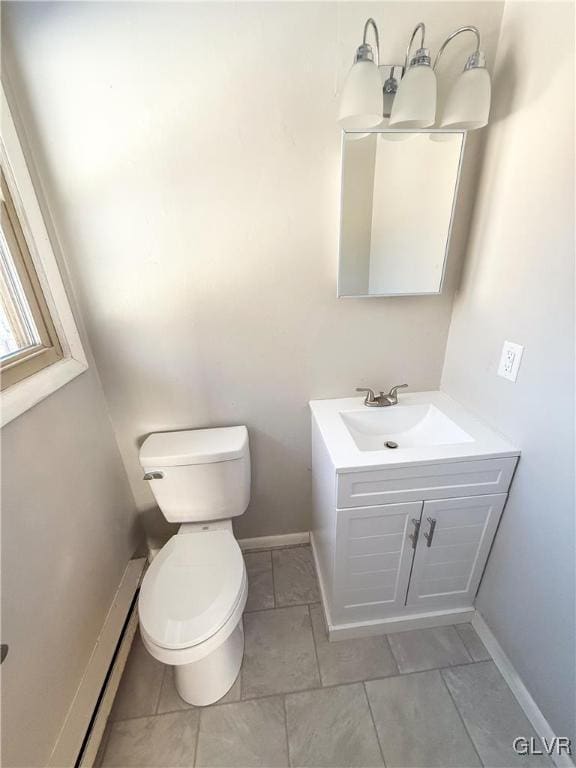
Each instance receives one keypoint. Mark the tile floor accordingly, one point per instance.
(428, 697)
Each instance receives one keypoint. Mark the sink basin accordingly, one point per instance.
(429, 427)
(407, 425)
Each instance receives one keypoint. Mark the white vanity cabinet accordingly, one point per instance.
(427, 556)
(403, 544)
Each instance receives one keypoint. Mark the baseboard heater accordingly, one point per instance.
(83, 730)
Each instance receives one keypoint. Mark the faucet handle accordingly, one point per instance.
(370, 396)
(394, 391)
(392, 396)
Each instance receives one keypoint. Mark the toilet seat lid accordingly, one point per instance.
(191, 588)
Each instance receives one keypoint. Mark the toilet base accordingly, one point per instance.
(207, 680)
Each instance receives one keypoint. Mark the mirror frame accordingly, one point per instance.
(383, 129)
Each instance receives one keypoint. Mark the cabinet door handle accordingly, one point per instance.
(414, 536)
(430, 535)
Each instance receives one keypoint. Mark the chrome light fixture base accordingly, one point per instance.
(421, 58)
(477, 60)
(364, 53)
(391, 75)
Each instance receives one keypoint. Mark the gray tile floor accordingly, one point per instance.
(428, 697)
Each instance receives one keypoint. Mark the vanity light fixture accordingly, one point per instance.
(366, 97)
(415, 103)
(468, 103)
(407, 94)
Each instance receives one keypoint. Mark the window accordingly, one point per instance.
(28, 339)
(40, 348)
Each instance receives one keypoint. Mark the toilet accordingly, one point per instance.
(194, 592)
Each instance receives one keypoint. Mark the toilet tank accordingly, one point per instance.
(198, 474)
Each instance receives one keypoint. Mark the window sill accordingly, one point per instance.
(29, 392)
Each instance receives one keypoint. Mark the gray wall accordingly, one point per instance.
(67, 534)
(69, 527)
(192, 152)
(519, 285)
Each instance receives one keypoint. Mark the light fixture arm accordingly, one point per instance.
(420, 27)
(371, 23)
(475, 58)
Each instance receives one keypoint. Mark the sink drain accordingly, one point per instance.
(391, 444)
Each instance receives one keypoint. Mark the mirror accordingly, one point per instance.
(397, 203)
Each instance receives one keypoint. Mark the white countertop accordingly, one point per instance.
(347, 457)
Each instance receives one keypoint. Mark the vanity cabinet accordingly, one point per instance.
(401, 537)
(416, 555)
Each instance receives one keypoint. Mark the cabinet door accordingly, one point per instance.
(374, 551)
(453, 545)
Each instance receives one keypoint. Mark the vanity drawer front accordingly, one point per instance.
(431, 481)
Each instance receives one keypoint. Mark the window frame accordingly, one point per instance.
(70, 360)
(31, 359)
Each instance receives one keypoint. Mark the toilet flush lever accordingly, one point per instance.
(153, 476)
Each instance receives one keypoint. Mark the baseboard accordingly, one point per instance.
(522, 694)
(275, 542)
(399, 624)
(73, 733)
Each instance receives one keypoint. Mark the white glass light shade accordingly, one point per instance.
(361, 103)
(415, 102)
(468, 103)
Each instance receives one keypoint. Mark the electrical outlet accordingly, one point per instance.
(510, 360)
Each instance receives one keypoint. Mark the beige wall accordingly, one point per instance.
(519, 285)
(68, 530)
(193, 155)
(67, 534)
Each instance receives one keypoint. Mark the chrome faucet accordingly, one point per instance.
(382, 400)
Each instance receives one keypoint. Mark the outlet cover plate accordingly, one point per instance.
(510, 360)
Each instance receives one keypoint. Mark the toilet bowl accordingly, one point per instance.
(194, 592)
